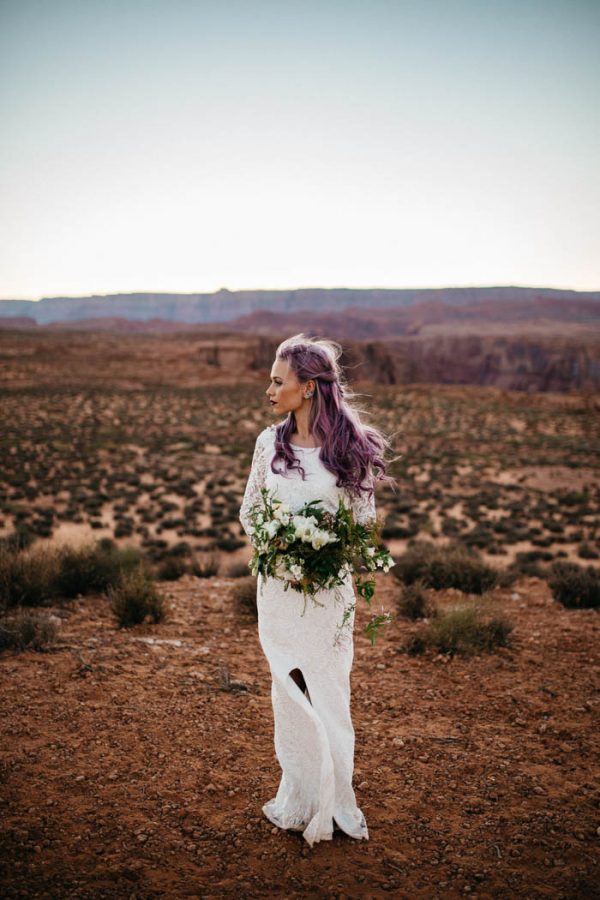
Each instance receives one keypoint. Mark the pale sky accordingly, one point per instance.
(189, 145)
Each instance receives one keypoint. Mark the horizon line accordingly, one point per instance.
(226, 290)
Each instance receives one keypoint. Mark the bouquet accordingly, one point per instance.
(314, 549)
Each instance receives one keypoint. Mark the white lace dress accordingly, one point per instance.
(314, 735)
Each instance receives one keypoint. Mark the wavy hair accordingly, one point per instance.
(352, 450)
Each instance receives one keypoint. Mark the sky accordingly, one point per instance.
(194, 145)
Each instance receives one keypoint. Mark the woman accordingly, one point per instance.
(320, 451)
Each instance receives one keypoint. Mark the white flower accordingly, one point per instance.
(371, 551)
(259, 518)
(296, 571)
(379, 562)
(304, 527)
(386, 568)
(272, 528)
(320, 538)
(281, 512)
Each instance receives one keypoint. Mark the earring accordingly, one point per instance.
(308, 396)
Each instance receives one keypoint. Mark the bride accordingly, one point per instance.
(320, 450)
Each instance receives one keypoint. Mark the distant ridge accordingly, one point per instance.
(224, 305)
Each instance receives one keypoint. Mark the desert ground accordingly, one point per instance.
(134, 762)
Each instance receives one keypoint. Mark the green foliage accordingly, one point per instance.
(575, 586)
(25, 629)
(450, 566)
(314, 549)
(376, 623)
(136, 598)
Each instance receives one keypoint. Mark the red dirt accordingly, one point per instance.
(127, 772)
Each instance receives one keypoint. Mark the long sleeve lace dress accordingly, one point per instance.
(314, 735)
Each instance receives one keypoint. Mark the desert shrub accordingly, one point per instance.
(444, 567)
(237, 570)
(575, 586)
(19, 538)
(414, 602)
(136, 598)
(450, 526)
(28, 577)
(478, 537)
(394, 530)
(462, 629)
(41, 527)
(172, 568)
(94, 567)
(542, 541)
(172, 523)
(182, 548)
(228, 543)
(205, 565)
(123, 529)
(530, 563)
(586, 551)
(244, 596)
(26, 629)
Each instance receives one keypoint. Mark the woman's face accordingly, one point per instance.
(285, 391)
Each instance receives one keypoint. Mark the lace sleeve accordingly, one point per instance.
(363, 507)
(256, 481)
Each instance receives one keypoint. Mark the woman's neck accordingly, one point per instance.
(302, 430)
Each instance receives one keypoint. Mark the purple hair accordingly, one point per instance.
(351, 450)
